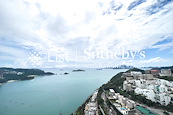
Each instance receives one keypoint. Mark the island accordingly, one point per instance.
(13, 74)
(134, 92)
(66, 73)
(78, 70)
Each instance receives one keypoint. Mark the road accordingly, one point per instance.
(101, 110)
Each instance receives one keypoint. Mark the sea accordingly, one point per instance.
(52, 95)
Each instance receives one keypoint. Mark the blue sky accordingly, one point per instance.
(86, 33)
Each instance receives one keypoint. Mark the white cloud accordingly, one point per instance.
(157, 61)
(153, 60)
(71, 24)
(164, 46)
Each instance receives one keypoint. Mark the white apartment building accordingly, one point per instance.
(162, 89)
(140, 83)
(150, 87)
(111, 92)
(150, 94)
(147, 76)
(124, 85)
(148, 82)
(130, 104)
(120, 98)
(156, 90)
(163, 98)
(162, 82)
(165, 72)
(135, 73)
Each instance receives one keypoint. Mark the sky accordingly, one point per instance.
(86, 33)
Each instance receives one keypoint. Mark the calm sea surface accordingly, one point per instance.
(52, 95)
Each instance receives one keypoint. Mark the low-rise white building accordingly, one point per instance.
(130, 104)
(124, 85)
(127, 86)
(126, 75)
(111, 92)
(165, 72)
(162, 89)
(90, 108)
(135, 73)
(120, 99)
(138, 90)
(93, 98)
(116, 95)
(163, 98)
(150, 94)
(150, 87)
(151, 81)
(140, 83)
(148, 76)
(170, 84)
(154, 89)
(162, 82)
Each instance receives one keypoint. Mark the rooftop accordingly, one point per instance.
(111, 90)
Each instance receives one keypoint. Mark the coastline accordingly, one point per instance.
(29, 76)
(11, 81)
(103, 99)
(32, 76)
(8, 75)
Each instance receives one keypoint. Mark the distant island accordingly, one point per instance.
(66, 73)
(78, 70)
(121, 67)
(10, 74)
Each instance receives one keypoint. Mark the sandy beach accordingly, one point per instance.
(11, 81)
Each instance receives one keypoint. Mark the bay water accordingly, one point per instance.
(52, 95)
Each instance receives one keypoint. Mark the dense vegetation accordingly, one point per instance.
(169, 78)
(116, 84)
(16, 77)
(26, 71)
(20, 74)
(99, 99)
(136, 69)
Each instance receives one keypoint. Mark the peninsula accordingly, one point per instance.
(11, 74)
(134, 92)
